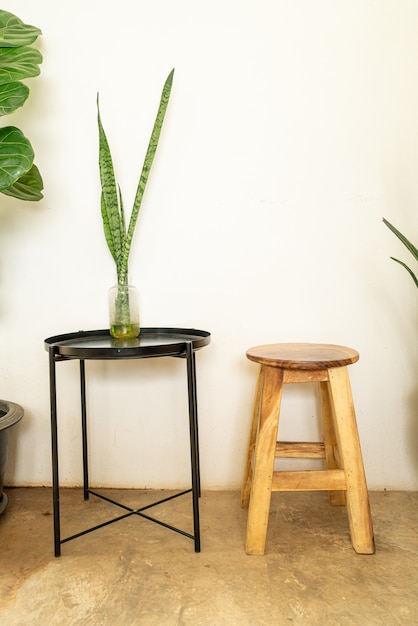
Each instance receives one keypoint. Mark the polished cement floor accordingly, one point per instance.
(137, 572)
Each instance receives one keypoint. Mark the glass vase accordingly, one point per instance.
(124, 311)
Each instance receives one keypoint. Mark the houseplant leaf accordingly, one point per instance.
(16, 156)
(408, 244)
(149, 158)
(412, 249)
(14, 32)
(28, 187)
(408, 269)
(12, 96)
(111, 213)
(19, 63)
(118, 239)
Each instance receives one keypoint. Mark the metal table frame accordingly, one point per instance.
(99, 345)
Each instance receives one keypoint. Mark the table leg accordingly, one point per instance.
(196, 426)
(84, 428)
(54, 444)
(194, 443)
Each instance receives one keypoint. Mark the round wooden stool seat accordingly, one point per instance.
(304, 356)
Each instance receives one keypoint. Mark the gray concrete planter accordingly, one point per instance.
(10, 414)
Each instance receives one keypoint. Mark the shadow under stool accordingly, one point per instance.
(343, 474)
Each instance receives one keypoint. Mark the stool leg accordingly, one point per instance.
(246, 487)
(336, 498)
(265, 447)
(358, 507)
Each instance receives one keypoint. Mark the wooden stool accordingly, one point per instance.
(343, 476)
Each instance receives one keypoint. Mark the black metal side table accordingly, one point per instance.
(99, 345)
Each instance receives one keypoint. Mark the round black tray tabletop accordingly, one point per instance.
(99, 344)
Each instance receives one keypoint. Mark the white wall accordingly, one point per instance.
(291, 131)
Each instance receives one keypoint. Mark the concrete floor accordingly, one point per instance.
(136, 572)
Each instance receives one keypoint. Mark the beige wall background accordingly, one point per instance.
(291, 131)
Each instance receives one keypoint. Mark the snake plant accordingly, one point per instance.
(118, 236)
(19, 177)
(412, 249)
(124, 320)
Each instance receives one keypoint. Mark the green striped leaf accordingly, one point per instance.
(118, 239)
(109, 200)
(107, 229)
(146, 168)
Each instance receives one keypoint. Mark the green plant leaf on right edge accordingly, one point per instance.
(408, 244)
(408, 269)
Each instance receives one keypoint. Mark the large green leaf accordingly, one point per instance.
(19, 178)
(28, 187)
(14, 32)
(19, 63)
(12, 96)
(16, 156)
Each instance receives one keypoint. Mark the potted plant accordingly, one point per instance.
(19, 176)
(412, 249)
(123, 304)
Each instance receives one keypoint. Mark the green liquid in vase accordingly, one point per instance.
(125, 331)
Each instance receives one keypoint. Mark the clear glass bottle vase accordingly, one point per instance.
(124, 311)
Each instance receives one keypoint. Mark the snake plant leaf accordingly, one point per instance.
(149, 158)
(107, 229)
(12, 96)
(14, 32)
(19, 63)
(118, 239)
(109, 198)
(28, 187)
(122, 223)
(16, 156)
